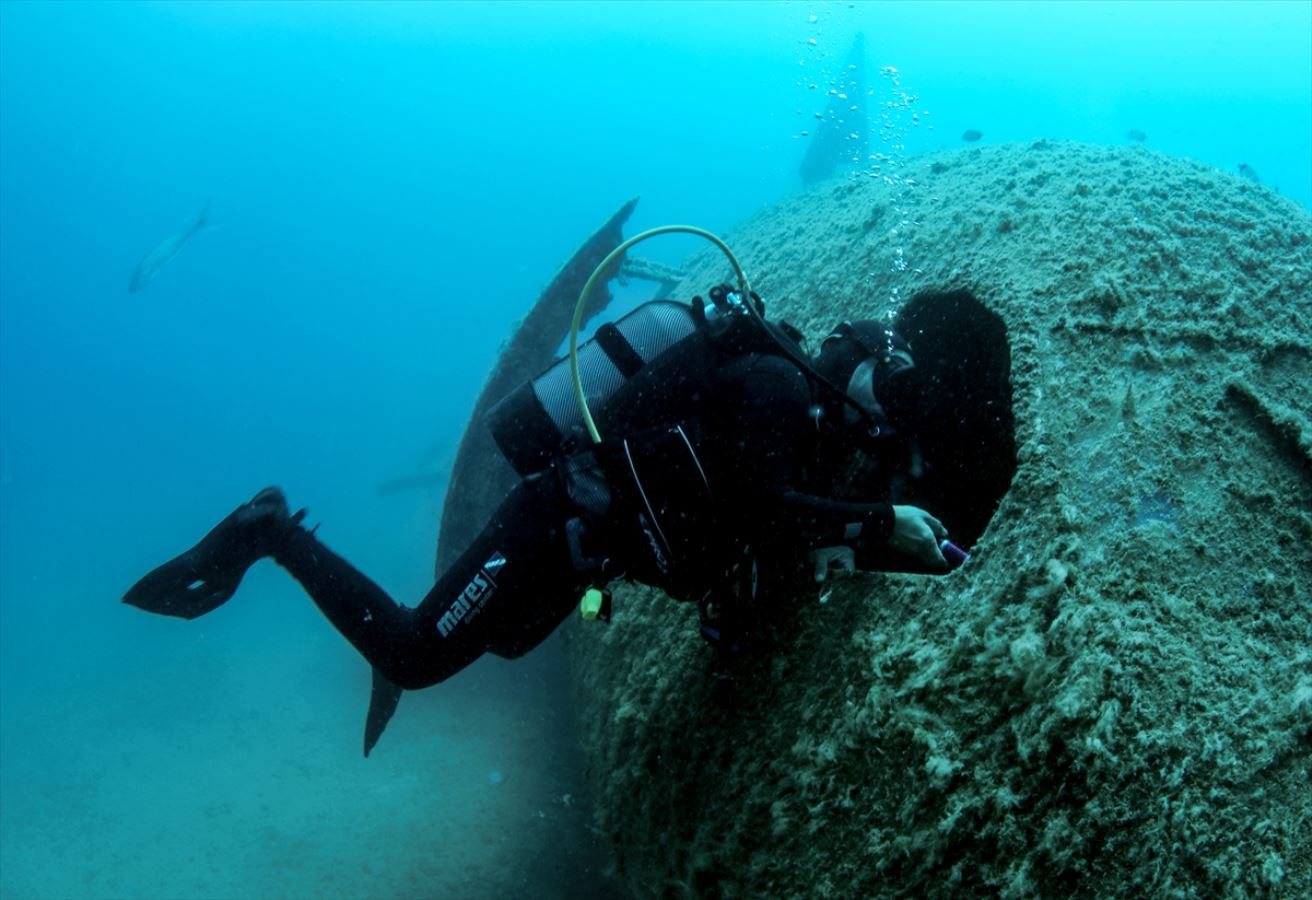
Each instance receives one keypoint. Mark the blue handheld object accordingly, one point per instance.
(953, 554)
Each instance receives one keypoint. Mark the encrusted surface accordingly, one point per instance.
(1115, 695)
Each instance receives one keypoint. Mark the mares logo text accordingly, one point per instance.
(474, 597)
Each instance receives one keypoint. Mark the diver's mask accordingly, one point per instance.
(869, 361)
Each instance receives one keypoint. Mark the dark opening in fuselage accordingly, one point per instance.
(959, 430)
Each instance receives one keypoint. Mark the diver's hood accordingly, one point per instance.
(870, 362)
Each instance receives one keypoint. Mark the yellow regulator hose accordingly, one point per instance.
(743, 287)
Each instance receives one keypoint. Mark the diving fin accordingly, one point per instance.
(203, 578)
(382, 703)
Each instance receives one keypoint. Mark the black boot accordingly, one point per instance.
(201, 579)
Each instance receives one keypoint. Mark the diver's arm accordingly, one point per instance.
(866, 528)
(826, 522)
(772, 409)
(773, 412)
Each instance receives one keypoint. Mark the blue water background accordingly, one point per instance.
(392, 185)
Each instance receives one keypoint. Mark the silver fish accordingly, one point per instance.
(163, 252)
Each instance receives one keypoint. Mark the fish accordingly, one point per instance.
(1134, 134)
(971, 135)
(417, 480)
(163, 253)
(1247, 171)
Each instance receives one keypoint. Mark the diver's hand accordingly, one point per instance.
(916, 533)
(837, 560)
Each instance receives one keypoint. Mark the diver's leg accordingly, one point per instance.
(390, 636)
(201, 579)
(505, 593)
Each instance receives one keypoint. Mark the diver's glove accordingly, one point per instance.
(838, 560)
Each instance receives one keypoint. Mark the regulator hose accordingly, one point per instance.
(743, 287)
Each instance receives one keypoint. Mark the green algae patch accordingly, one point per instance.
(1114, 697)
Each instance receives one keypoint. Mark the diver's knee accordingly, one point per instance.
(418, 670)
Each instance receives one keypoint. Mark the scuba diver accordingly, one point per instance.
(726, 442)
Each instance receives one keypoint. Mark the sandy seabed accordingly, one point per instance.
(205, 762)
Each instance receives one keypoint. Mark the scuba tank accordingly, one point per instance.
(541, 418)
(537, 422)
(644, 486)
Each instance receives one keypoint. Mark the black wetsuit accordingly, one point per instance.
(760, 444)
